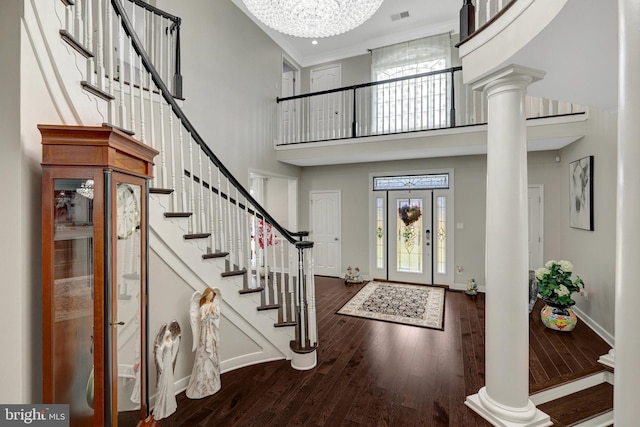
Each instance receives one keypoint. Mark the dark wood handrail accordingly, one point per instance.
(166, 94)
(156, 11)
(487, 24)
(380, 82)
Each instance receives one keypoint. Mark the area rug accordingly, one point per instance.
(399, 303)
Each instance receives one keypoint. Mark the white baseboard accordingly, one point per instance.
(606, 336)
(463, 287)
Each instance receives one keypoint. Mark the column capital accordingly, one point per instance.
(516, 74)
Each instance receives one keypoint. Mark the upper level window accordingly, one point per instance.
(414, 104)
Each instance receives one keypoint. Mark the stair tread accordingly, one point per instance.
(215, 255)
(177, 214)
(251, 290)
(580, 406)
(565, 379)
(268, 307)
(283, 324)
(154, 190)
(197, 236)
(234, 272)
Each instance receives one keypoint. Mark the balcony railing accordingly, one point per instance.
(428, 101)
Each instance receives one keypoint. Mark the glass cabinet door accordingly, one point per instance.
(73, 298)
(127, 303)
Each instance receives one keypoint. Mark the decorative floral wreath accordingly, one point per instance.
(409, 214)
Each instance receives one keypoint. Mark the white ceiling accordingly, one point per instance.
(426, 17)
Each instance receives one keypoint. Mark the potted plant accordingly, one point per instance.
(555, 287)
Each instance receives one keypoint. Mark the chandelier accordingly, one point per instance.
(313, 18)
(86, 189)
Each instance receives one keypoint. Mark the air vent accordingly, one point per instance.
(400, 15)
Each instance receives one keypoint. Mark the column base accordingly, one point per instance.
(304, 361)
(504, 416)
(609, 359)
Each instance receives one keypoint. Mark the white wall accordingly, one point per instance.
(17, 294)
(232, 72)
(470, 210)
(593, 252)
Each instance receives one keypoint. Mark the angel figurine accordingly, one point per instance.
(166, 348)
(205, 319)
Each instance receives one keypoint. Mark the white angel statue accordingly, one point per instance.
(205, 319)
(166, 348)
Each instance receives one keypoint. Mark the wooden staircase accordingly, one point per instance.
(249, 276)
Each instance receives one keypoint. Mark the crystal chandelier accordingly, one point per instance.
(86, 189)
(313, 18)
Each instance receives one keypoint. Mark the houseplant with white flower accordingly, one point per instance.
(555, 284)
(555, 287)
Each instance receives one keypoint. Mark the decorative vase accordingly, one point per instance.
(558, 317)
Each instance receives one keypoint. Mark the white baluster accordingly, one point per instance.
(192, 189)
(274, 269)
(183, 191)
(88, 41)
(132, 110)
(229, 225)
(220, 212)
(152, 128)
(201, 221)
(212, 210)
(69, 14)
(109, 48)
(247, 238)
(122, 113)
(172, 164)
(487, 11)
(78, 25)
(283, 294)
(311, 299)
(239, 229)
(143, 135)
(100, 46)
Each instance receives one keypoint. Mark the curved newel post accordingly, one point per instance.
(304, 346)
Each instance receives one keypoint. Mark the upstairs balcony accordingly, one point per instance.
(431, 114)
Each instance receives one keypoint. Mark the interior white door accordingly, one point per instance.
(326, 110)
(410, 236)
(325, 232)
(535, 227)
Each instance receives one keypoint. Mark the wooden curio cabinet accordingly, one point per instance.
(94, 273)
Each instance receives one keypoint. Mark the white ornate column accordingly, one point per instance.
(504, 400)
(627, 316)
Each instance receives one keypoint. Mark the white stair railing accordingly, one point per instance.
(132, 60)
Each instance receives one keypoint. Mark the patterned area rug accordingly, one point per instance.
(399, 303)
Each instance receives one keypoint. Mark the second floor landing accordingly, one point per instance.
(544, 133)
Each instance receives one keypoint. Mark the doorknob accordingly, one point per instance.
(336, 239)
(121, 323)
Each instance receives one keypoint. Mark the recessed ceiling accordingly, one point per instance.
(426, 17)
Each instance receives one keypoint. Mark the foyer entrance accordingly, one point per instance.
(409, 236)
(412, 228)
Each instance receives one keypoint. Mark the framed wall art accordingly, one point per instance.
(581, 193)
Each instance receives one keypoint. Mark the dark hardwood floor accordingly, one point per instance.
(373, 373)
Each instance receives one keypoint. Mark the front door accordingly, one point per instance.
(410, 236)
